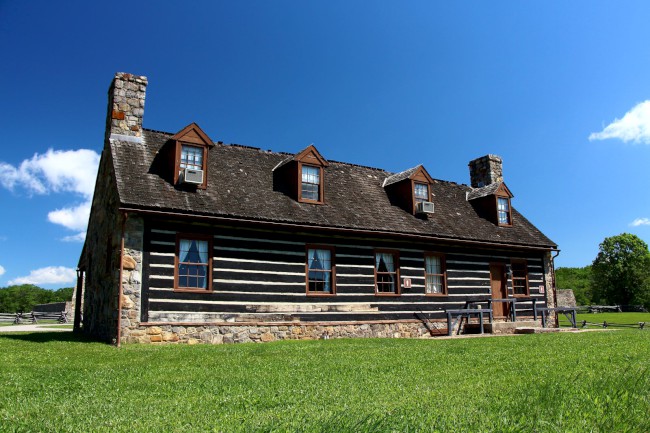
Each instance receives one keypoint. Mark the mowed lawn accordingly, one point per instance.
(562, 382)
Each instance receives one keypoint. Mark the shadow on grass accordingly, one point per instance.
(46, 337)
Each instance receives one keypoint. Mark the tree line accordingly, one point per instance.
(619, 275)
(23, 297)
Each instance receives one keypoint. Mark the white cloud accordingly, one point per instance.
(640, 222)
(74, 218)
(63, 171)
(79, 237)
(634, 126)
(2, 270)
(48, 275)
(55, 170)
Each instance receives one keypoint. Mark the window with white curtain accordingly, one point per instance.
(386, 273)
(193, 269)
(434, 274)
(320, 275)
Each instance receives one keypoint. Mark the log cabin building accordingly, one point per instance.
(192, 240)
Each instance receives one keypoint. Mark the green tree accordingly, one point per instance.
(578, 280)
(25, 296)
(621, 271)
(62, 295)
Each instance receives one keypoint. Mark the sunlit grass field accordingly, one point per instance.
(595, 320)
(561, 382)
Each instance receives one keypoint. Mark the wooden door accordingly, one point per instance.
(499, 289)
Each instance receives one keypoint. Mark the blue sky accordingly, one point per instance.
(558, 89)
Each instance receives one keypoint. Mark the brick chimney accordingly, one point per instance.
(485, 170)
(126, 105)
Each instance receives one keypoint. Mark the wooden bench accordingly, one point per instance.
(569, 312)
(466, 313)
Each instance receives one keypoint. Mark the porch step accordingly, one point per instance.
(512, 327)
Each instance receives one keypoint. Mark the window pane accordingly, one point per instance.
(193, 251)
(310, 174)
(518, 270)
(319, 264)
(519, 278)
(193, 264)
(384, 262)
(503, 207)
(386, 274)
(386, 283)
(310, 188)
(191, 157)
(433, 265)
(421, 192)
(319, 259)
(434, 284)
(310, 191)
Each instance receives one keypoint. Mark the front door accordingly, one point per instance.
(499, 289)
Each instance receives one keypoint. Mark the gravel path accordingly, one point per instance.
(32, 328)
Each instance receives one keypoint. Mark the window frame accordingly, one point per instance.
(193, 237)
(332, 270)
(443, 268)
(508, 213)
(524, 263)
(415, 197)
(398, 281)
(320, 184)
(177, 164)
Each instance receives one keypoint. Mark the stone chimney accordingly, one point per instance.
(126, 105)
(485, 170)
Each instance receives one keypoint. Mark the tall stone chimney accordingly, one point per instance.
(485, 170)
(126, 105)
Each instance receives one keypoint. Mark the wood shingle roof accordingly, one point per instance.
(240, 185)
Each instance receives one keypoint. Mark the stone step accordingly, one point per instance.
(511, 327)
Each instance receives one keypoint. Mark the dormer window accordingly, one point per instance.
(409, 188)
(493, 203)
(190, 148)
(302, 176)
(310, 184)
(503, 210)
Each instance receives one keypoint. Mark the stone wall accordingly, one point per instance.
(485, 170)
(258, 333)
(101, 256)
(549, 288)
(566, 298)
(131, 275)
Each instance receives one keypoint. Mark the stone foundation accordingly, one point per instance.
(259, 333)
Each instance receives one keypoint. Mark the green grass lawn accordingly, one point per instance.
(563, 382)
(611, 318)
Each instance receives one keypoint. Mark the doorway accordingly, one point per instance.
(499, 289)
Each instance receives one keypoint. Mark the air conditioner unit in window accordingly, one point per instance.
(424, 207)
(193, 176)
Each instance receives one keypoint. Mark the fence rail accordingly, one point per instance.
(605, 324)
